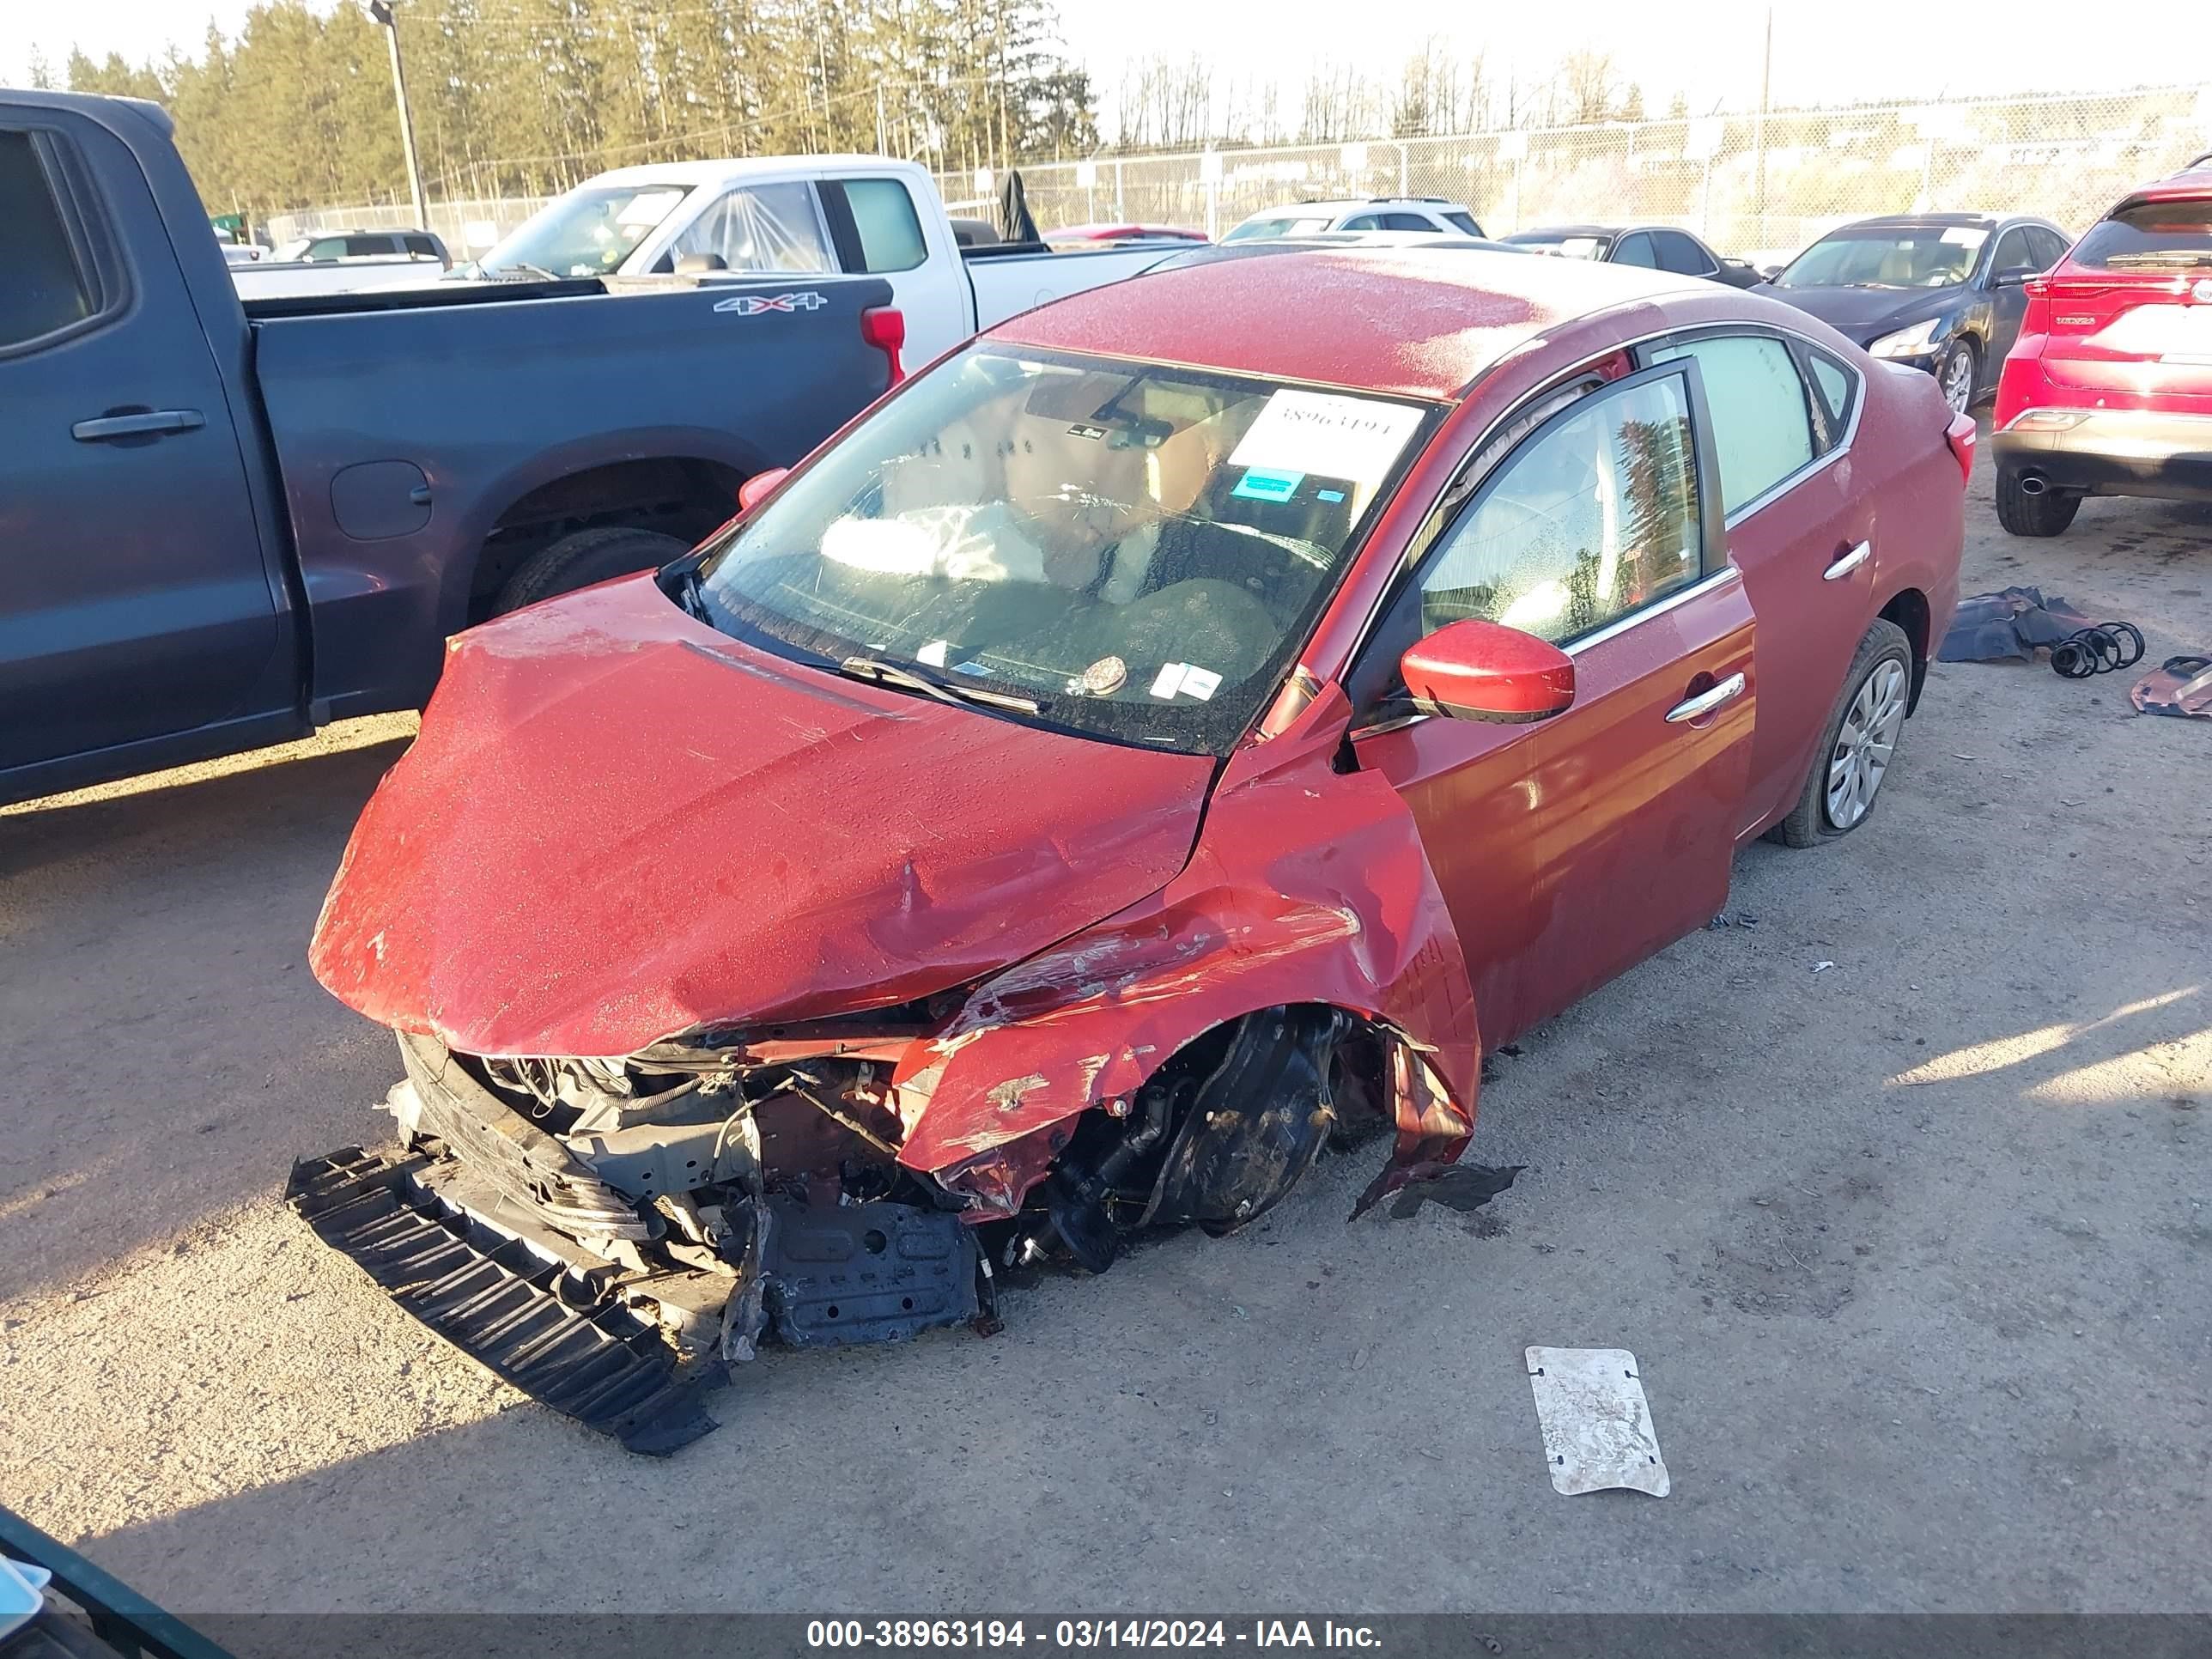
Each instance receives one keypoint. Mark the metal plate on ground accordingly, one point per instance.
(1597, 1425)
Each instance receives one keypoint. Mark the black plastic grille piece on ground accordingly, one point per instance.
(497, 1301)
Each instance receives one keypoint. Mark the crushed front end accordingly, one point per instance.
(610, 1236)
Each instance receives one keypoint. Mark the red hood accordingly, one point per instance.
(618, 824)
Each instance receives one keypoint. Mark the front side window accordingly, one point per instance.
(2015, 255)
(586, 233)
(2150, 236)
(1594, 518)
(1138, 550)
(1888, 256)
(1636, 250)
(1762, 431)
(1363, 221)
(760, 227)
(2050, 247)
(42, 288)
(369, 247)
(1408, 222)
(884, 219)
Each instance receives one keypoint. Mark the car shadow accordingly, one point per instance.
(168, 1049)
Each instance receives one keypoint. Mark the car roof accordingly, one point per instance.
(1414, 322)
(737, 169)
(2192, 181)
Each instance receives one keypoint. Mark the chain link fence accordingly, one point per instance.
(1759, 186)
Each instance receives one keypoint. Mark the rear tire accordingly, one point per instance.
(585, 557)
(2023, 514)
(1881, 673)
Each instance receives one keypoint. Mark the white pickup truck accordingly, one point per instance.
(810, 216)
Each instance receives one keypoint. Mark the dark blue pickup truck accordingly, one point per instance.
(222, 524)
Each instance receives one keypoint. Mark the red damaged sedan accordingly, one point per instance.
(1171, 738)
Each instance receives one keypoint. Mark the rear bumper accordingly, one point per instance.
(2114, 453)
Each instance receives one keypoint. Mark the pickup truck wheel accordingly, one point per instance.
(587, 556)
(2046, 512)
(1857, 743)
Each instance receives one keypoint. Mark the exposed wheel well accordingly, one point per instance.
(1909, 610)
(680, 496)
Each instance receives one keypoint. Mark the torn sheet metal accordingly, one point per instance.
(1597, 1425)
(2180, 687)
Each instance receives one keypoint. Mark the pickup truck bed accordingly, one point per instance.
(228, 523)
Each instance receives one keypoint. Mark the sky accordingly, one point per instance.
(1709, 49)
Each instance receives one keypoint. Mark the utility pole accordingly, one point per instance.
(1766, 81)
(382, 12)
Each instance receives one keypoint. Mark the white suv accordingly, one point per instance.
(1429, 212)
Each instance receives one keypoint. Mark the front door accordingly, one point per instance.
(134, 601)
(1568, 850)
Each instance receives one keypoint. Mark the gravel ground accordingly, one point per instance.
(1912, 1250)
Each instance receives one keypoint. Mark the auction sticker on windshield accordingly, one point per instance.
(1354, 438)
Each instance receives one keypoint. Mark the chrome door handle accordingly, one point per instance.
(1696, 708)
(1848, 563)
(137, 426)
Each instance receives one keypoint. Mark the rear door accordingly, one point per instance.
(134, 601)
(1781, 414)
(1568, 850)
(2130, 309)
(878, 230)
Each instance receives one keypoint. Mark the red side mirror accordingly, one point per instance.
(1483, 671)
(761, 484)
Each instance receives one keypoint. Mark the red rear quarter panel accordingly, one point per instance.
(1920, 505)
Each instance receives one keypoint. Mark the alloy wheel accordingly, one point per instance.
(1959, 379)
(1865, 744)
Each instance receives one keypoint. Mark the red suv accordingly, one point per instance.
(2108, 390)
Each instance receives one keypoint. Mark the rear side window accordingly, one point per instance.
(2150, 236)
(1635, 250)
(42, 287)
(1837, 388)
(1463, 222)
(1677, 253)
(1593, 519)
(885, 221)
(1762, 429)
(422, 247)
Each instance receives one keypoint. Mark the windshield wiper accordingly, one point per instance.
(888, 673)
(521, 269)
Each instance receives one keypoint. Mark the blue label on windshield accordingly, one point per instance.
(1259, 484)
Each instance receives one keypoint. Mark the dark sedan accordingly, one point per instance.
(1655, 247)
(1941, 291)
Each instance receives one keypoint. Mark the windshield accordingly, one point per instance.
(1888, 256)
(2149, 236)
(588, 232)
(1281, 225)
(1139, 551)
(1580, 246)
